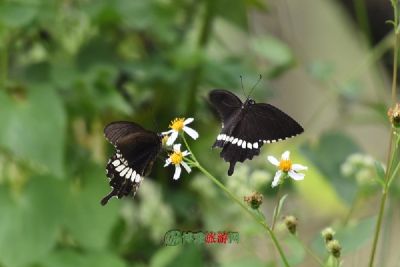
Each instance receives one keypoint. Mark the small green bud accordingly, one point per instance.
(394, 115)
(334, 248)
(254, 200)
(328, 234)
(291, 223)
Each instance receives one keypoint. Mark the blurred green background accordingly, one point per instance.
(69, 67)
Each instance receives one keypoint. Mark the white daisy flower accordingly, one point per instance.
(177, 125)
(176, 158)
(285, 166)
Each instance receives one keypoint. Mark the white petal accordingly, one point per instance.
(286, 155)
(185, 153)
(187, 121)
(295, 175)
(167, 132)
(187, 168)
(167, 162)
(177, 148)
(192, 133)
(277, 178)
(172, 138)
(177, 173)
(299, 167)
(273, 160)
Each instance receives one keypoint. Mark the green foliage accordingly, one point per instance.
(67, 68)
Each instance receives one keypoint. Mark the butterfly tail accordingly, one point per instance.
(105, 199)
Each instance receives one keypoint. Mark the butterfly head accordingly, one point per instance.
(248, 102)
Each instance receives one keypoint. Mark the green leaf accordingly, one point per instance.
(14, 14)
(355, 236)
(236, 13)
(380, 171)
(30, 220)
(273, 49)
(33, 128)
(328, 155)
(278, 208)
(67, 258)
(90, 223)
(165, 256)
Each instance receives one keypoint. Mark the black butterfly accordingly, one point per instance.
(247, 126)
(137, 149)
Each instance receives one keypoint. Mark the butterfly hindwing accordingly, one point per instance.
(250, 126)
(137, 149)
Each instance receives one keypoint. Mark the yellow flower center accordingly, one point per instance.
(285, 165)
(177, 124)
(176, 158)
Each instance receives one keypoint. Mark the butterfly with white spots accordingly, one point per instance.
(247, 126)
(136, 150)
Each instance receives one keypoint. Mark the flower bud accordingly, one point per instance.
(328, 234)
(394, 115)
(334, 248)
(254, 200)
(291, 223)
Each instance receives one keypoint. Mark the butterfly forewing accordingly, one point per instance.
(136, 150)
(247, 127)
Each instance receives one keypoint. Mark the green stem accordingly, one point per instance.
(362, 18)
(196, 164)
(276, 209)
(309, 251)
(245, 208)
(388, 174)
(202, 42)
(3, 66)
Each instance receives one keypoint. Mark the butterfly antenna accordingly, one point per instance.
(255, 85)
(241, 82)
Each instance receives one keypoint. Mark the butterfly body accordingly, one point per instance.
(247, 126)
(136, 150)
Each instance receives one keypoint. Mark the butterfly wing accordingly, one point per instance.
(251, 127)
(137, 149)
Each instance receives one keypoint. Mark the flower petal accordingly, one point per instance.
(187, 121)
(172, 138)
(296, 176)
(299, 167)
(177, 148)
(167, 162)
(273, 160)
(277, 178)
(192, 133)
(167, 132)
(178, 171)
(185, 153)
(286, 155)
(187, 168)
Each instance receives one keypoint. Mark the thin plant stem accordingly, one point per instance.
(309, 251)
(3, 66)
(240, 203)
(353, 207)
(388, 174)
(276, 208)
(252, 214)
(362, 18)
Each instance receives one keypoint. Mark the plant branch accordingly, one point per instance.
(391, 153)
